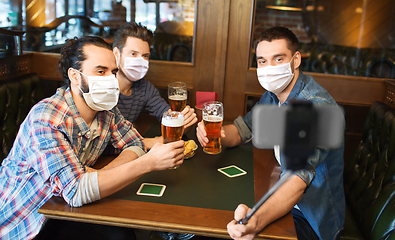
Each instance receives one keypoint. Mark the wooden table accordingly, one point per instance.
(198, 199)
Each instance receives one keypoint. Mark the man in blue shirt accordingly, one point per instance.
(315, 194)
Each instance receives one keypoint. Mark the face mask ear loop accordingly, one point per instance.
(81, 80)
(290, 64)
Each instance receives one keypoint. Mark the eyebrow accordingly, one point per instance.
(135, 51)
(280, 55)
(101, 67)
(106, 68)
(275, 56)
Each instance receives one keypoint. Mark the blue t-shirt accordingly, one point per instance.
(323, 202)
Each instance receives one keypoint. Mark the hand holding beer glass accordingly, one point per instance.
(213, 116)
(178, 96)
(172, 126)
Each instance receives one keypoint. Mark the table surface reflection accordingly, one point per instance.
(198, 199)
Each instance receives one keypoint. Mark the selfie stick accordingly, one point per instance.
(301, 118)
(287, 174)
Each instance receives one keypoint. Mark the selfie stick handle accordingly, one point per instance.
(287, 174)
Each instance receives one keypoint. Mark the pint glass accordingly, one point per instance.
(177, 93)
(213, 116)
(172, 126)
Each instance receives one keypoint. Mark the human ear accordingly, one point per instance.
(297, 60)
(117, 54)
(74, 76)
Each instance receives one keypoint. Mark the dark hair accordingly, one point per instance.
(275, 33)
(72, 54)
(131, 29)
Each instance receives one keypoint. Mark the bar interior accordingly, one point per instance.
(347, 46)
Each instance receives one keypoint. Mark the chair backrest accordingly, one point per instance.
(369, 175)
(17, 96)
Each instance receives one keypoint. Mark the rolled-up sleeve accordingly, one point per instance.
(244, 131)
(140, 152)
(308, 174)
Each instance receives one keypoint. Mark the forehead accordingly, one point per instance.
(277, 46)
(133, 43)
(98, 56)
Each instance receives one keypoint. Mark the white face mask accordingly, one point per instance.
(103, 92)
(275, 78)
(135, 68)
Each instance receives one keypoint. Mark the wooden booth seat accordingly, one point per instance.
(369, 179)
(17, 96)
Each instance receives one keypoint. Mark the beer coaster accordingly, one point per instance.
(150, 189)
(232, 171)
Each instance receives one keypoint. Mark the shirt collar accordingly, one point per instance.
(297, 88)
(82, 125)
(102, 117)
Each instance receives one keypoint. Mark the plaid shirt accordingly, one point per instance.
(44, 160)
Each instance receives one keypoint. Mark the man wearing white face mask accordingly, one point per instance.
(61, 139)
(132, 50)
(315, 195)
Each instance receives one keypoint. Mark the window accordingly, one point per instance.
(47, 28)
(347, 37)
(8, 14)
(172, 23)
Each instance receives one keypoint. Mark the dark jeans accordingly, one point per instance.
(303, 229)
(61, 229)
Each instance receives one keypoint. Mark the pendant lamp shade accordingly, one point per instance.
(286, 5)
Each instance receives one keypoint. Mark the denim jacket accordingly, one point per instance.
(323, 202)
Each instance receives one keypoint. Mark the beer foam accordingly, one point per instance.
(178, 97)
(210, 118)
(173, 122)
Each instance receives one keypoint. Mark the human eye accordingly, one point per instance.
(100, 72)
(279, 59)
(146, 57)
(261, 61)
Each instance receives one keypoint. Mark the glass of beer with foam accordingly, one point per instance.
(172, 126)
(213, 116)
(177, 93)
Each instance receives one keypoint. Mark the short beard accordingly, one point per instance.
(84, 85)
(122, 73)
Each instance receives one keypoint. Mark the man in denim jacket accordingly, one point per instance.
(315, 195)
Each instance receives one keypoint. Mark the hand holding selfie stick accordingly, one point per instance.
(265, 197)
(299, 143)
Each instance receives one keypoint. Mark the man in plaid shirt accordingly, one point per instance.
(62, 137)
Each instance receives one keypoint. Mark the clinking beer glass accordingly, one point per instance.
(213, 116)
(178, 96)
(172, 126)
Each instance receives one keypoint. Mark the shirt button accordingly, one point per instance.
(84, 149)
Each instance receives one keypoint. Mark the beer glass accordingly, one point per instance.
(177, 93)
(172, 126)
(213, 116)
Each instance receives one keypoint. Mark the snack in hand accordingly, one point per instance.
(190, 147)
